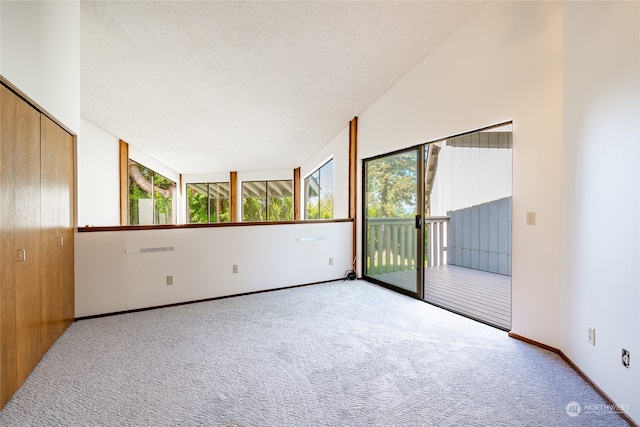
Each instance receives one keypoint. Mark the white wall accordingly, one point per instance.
(504, 63)
(208, 177)
(601, 214)
(268, 257)
(338, 150)
(40, 54)
(98, 177)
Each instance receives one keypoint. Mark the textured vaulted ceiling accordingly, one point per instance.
(220, 86)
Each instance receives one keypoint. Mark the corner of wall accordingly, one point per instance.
(601, 186)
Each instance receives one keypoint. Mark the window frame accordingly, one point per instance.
(208, 195)
(320, 191)
(172, 218)
(266, 200)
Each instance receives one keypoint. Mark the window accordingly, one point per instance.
(267, 200)
(151, 197)
(318, 193)
(208, 202)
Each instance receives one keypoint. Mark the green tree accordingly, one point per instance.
(391, 184)
(321, 210)
(219, 208)
(254, 209)
(164, 190)
(280, 208)
(197, 201)
(326, 206)
(145, 184)
(140, 187)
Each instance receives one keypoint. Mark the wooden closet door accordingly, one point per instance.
(68, 231)
(56, 230)
(67, 212)
(8, 364)
(27, 234)
(20, 297)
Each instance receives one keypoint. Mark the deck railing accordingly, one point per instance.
(392, 244)
(435, 234)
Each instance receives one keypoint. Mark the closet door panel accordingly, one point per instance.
(8, 361)
(27, 238)
(68, 222)
(51, 277)
(56, 231)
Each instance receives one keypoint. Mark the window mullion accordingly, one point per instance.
(319, 193)
(153, 195)
(266, 192)
(208, 202)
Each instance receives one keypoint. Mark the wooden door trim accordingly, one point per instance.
(233, 196)
(296, 194)
(353, 185)
(124, 183)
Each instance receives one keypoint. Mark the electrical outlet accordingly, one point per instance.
(330, 261)
(235, 268)
(626, 358)
(169, 280)
(591, 335)
(531, 218)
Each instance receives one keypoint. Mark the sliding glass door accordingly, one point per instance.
(392, 240)
(468, 225)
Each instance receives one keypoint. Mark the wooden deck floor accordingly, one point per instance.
(477, 294)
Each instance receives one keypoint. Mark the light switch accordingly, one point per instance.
(531, 218)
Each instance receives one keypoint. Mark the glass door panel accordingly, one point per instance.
(392, 234)
(468, 225)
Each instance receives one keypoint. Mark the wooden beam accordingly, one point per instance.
(296, 194)
(186, 203)
(353, 180)
(233, 195)
(124, 183)
(353, 166)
